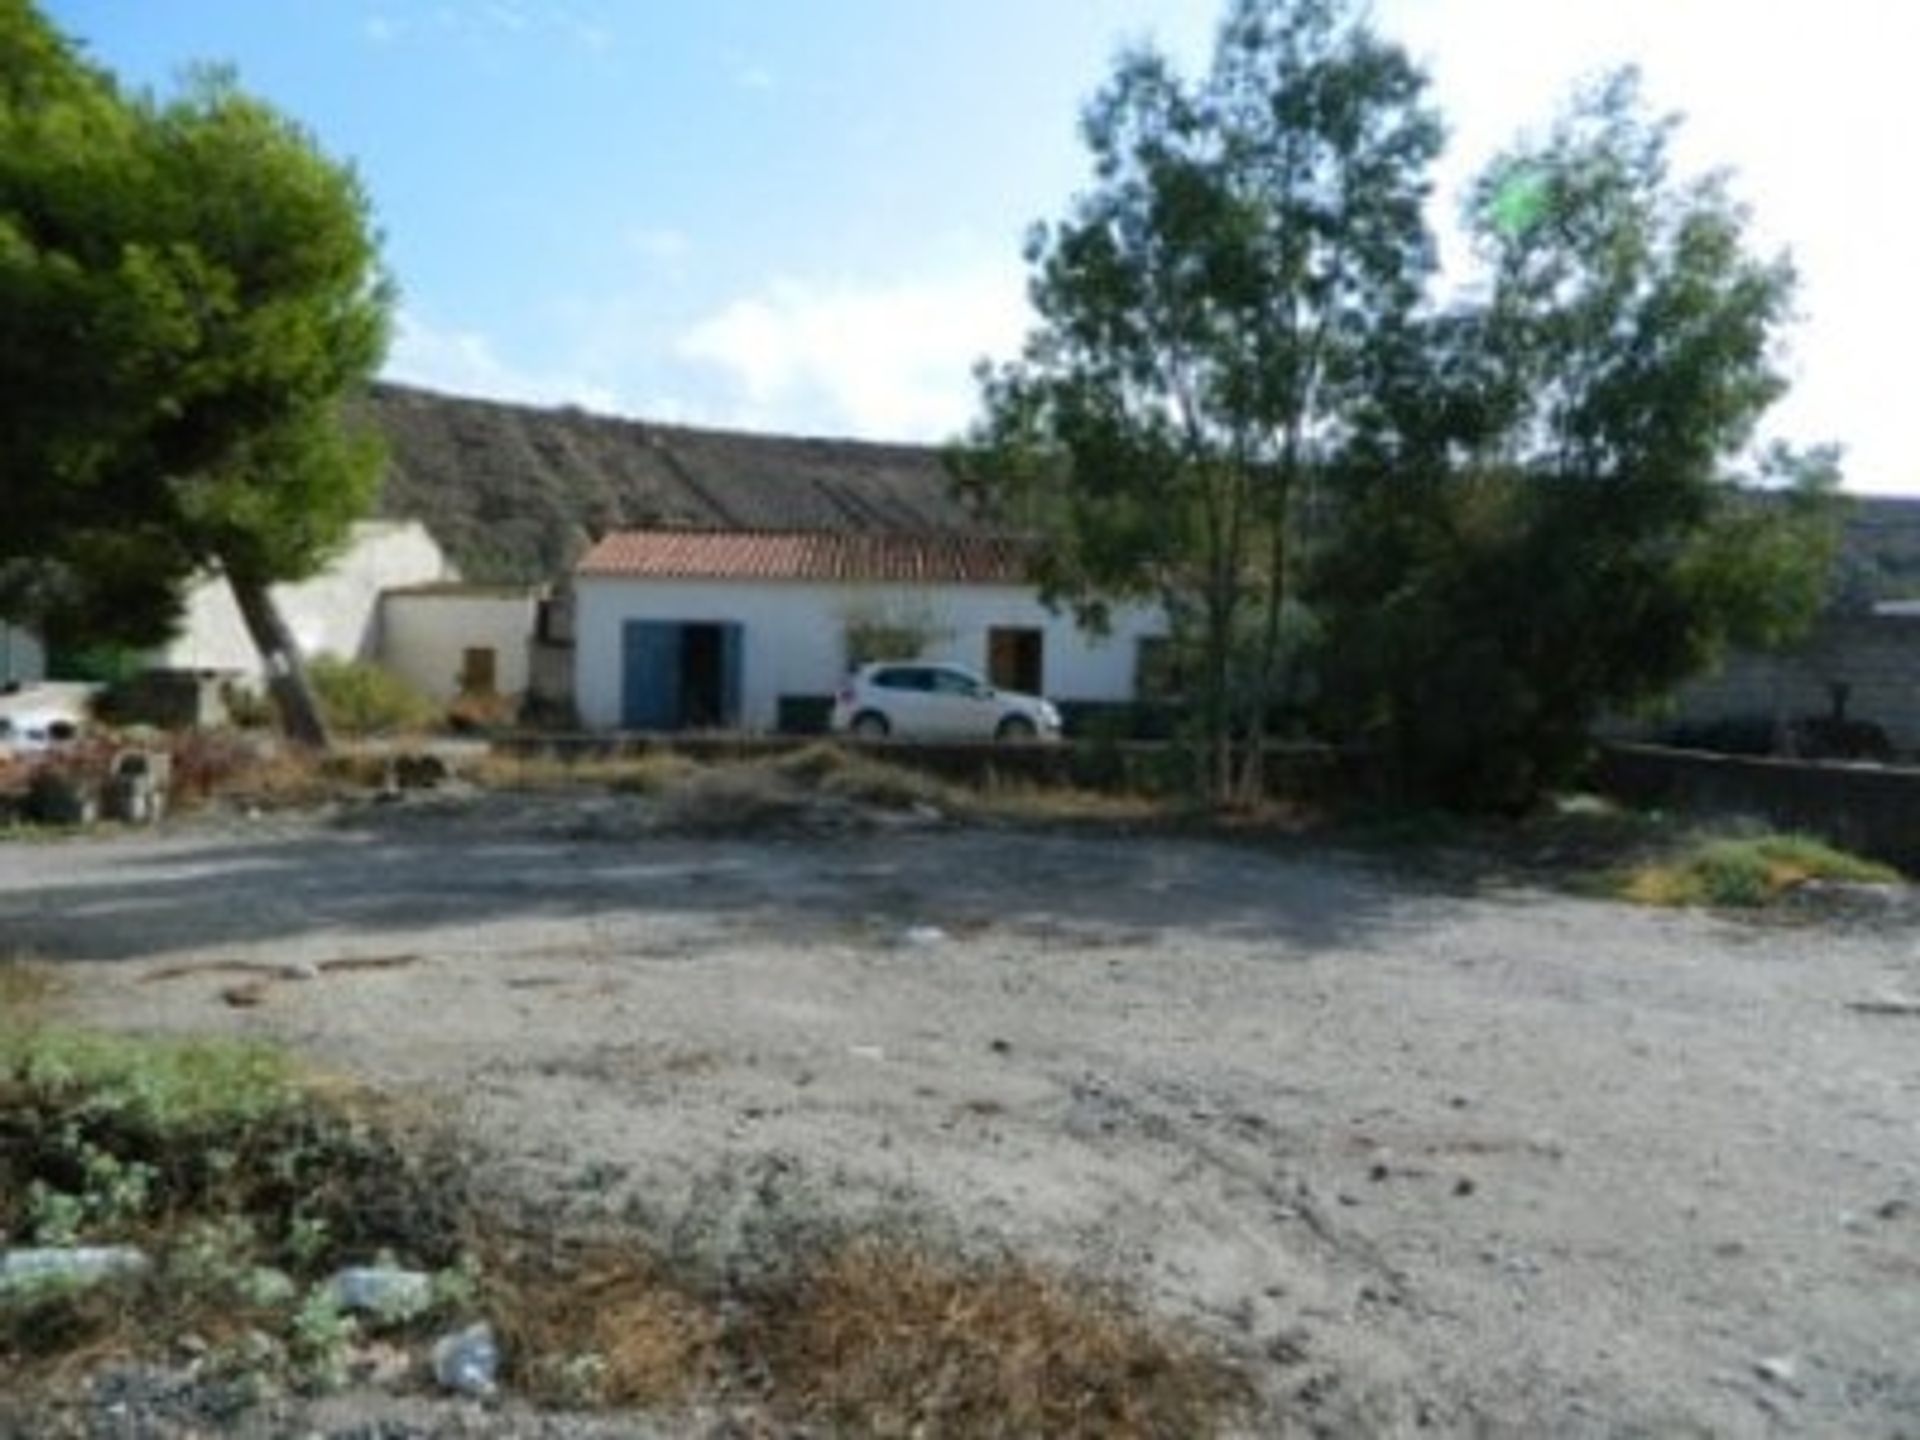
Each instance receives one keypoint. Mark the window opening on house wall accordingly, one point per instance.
(1016, 658)
(479, 670)
(1156, 669)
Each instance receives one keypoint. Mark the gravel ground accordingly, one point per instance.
(1473, 1161)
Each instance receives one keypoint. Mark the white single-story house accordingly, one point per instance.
(446, 638)
(682, 629)
(336, 612)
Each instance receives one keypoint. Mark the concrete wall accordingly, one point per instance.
(334, 613)
(1871, 810)
(1876, 656)
(23, 660)
(794, 636)
(424, 634)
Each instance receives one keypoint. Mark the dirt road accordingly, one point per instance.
(1497, 1163)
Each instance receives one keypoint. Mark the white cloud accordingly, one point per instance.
(381, 29)
(889, 360)
(464, 362)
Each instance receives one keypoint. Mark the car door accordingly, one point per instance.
(966, 707)
(900, 692)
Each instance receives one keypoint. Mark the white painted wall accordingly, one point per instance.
(424, 634)
(334, 613)
(794, 636)
(23, 660)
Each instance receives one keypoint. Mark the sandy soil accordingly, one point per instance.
(1487, 1162)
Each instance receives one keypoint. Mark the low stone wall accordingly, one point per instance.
(1872, 810)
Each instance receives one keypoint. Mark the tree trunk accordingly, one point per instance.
(287, 679)
(1217, 701)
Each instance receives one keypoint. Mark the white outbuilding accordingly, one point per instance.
(683, 629)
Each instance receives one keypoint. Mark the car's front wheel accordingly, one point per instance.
(1015, 729)
(869, 726)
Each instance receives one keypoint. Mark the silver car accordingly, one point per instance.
(919, 700)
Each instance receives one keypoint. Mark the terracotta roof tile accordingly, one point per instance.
(790, 555)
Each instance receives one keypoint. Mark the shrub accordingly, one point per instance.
(363, 699)
(1747, 873)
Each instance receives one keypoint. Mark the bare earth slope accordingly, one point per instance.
(1507, 1163)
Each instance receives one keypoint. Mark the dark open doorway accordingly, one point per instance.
(702, 677)
(1016, 658)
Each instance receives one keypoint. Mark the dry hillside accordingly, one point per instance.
(515, 492)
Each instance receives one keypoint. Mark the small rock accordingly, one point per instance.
(1000, 1047)
(1892, 1210)
(300, 970)
(923, 935)
(1379, 1173)
(1886, 1005)
(1464, 1185)
(246, 995)
(1777, 1370)
(390, 1293)
(468, 1361)
(867, 1052)
(420, 772)
(54, 1266)
(381, 1365)
(1345, 1199)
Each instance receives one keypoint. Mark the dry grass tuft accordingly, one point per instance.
(1024, 801)
(25, 985)
(599, 1325)
(884, 1339)
(645, 774)
(653, 773)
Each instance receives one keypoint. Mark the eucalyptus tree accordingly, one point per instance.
(1555, 509)
(1205, 309)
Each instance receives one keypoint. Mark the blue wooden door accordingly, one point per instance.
(650, 675)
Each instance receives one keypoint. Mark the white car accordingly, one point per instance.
(26, 734)
(918, 700)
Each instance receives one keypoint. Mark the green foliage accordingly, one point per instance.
(1747, 872)
(362, 699)
(1538, 521)
(245, 1185)
(167, 1087)
(1469, 529)
(187, 290)
(1205, 310)
(900, 631)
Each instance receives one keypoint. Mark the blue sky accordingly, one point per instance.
(806, 214)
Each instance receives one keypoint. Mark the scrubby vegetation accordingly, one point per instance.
(1746, 872)
(362, 699)
(247, 1183)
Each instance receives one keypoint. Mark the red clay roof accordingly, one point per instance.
(787, 555)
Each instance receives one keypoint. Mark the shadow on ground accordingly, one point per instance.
(389, 873)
